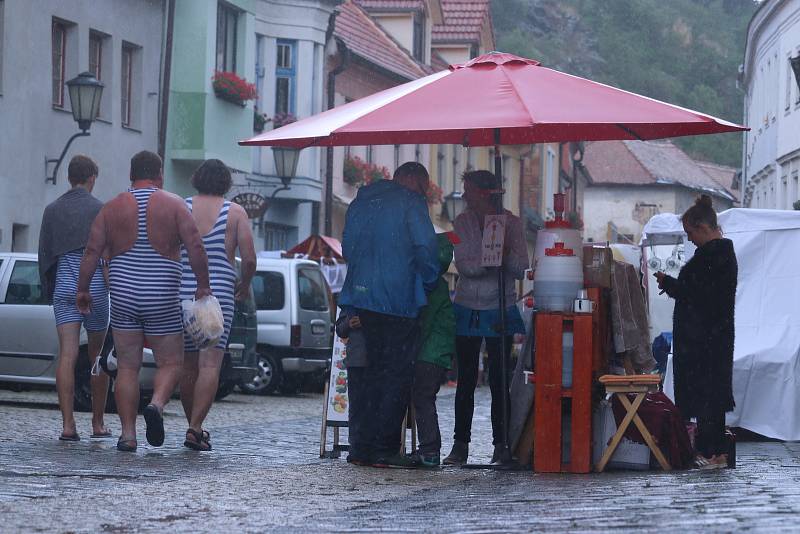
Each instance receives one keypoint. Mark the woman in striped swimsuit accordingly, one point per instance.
(224, 227)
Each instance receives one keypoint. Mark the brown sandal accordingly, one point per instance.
(197, 443)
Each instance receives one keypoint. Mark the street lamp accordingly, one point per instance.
(85, 92)
(454, 204)
(285, 163)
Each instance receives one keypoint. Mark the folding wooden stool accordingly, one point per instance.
(621, 386)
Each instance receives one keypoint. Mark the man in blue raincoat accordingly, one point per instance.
(392, 262)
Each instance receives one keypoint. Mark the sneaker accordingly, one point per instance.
(426, 460)
(395, 461)
(458, 454)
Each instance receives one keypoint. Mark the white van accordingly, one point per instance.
(295, 335)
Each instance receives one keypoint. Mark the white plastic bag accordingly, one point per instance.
(202, 320)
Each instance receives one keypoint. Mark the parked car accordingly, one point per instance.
(29, 343)
(294, 325)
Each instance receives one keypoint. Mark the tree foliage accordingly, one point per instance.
(686, 52)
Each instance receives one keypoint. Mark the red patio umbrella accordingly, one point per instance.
(493, 94)
(495, 99)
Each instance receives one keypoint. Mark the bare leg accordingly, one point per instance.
(168, 353)
(205, 388)
(99, 383)
(188, 380)
(128, 346)
(68, 338)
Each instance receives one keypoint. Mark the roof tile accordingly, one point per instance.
(463, 21)
(648, 163)
(366, 39)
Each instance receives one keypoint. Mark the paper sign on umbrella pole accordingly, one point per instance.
(494, 234)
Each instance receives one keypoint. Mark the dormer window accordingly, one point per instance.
(419, 36)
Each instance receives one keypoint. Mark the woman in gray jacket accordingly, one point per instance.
(476, 308)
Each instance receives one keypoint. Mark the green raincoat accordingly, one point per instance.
(438, 319)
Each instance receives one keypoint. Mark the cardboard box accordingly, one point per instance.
(628, 455)
(597, 264)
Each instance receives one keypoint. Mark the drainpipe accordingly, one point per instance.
(343, 63)
(162, 123)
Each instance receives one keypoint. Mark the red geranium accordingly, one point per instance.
(231, 87)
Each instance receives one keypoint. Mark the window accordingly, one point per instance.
(227, 22)
(59, 62)
(2, 5)
(788, 84)
(285, 73)
(126, 84)
(456, 164)
(311, 289)
(269, 290)
(396, 156)
(795, 194)
(276, 237)
(24, 286)
(96, 55)
(19, 237)
(440, 165)
(419, 36)
(797, 94)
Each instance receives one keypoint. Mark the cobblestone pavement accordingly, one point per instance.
(265, 475)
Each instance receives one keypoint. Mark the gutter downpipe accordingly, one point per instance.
(343, 64)
(162, 127)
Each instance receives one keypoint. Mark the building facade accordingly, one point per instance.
(277, 46)
(630, 181)
(771, 154)
(45, 43)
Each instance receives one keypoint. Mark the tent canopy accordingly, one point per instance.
(318, 247)
(766, 384)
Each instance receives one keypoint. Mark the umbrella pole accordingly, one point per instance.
(505, 456)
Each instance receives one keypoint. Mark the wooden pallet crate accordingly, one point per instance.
(551, 395)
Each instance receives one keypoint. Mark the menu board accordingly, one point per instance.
(338, 400)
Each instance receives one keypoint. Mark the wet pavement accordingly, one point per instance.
(264, 474)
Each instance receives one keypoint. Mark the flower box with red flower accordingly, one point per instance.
(230, 87)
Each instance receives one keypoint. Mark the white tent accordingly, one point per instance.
(766, 370)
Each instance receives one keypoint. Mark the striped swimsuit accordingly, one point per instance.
(64, 307)
(221, 273)
(144, 284)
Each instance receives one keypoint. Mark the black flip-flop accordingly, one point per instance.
(155, 425)
(124, 445)
(69, 437)
(199, 443)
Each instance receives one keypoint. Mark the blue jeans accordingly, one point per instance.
(387, 380)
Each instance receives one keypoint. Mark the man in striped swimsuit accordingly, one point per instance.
(141, 232)
(64, 232)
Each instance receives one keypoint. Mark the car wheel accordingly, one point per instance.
(267, 378)
(225, 388)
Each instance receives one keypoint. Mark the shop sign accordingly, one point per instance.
(254, 204)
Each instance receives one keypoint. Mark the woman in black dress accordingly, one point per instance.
(703, 331)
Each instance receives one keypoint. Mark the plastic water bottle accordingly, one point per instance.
(567, 346)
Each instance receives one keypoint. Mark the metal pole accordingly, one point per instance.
(505, 456)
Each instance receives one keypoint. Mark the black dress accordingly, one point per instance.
(703, 330)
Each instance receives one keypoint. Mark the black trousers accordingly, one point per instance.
(391, 343)
(467, 353)
(359, 413)
(427, 380)
(710, 438)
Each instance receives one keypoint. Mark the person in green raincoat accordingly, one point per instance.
(438, 324)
